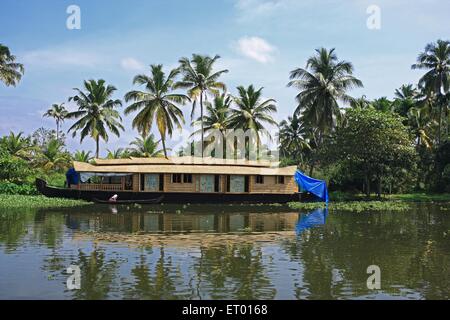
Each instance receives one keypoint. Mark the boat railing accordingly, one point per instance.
(101, 187)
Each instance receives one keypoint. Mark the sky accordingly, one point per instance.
(259, 41)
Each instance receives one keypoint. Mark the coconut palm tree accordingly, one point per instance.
(11, 72)
(405, 98)
(216, 116)
(96, 112)
(119, 153)
(217, 113)
(200, 79)
(59, 113)
(383, 104)
(323, 83)
(293, 138)
(53, 158)
(252, 113)
(157, 103)
(360, 103)
(420, 125)
(17, 145)
(82, 156)
(145, 146)
(435, 59)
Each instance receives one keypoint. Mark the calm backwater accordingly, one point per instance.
(224, 252)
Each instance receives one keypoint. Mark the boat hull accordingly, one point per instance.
(167, 197)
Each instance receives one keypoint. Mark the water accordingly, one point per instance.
(223, 252)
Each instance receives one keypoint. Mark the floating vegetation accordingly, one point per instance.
(354, 206)
(20, 201)
(421, 197)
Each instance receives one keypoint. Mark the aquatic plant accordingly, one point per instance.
(21, 201)
(354, 206)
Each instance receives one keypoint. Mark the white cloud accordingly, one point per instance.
(131, 64)
(260, 6)
(256, 48)
(61, 57)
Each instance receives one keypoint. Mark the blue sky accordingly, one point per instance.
(259, 41)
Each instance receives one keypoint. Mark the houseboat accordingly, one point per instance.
(178, 180)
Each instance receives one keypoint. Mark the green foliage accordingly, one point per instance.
(145, 146)
(96, 112)
(10, 71)
(82, 156)
(353, 206)
(12, 168)
(35, 202)
(158, 103)
(18, 189)
(373, 145)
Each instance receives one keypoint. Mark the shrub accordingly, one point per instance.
(17, 189)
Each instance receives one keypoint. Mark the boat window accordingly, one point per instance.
(247, 184)
(176, 178)
(217, 183)
(280, 179)
(260, 179)
(161, 182)
(187, 178)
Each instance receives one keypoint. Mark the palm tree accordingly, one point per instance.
(252, 113)
(17, 145)
(145, 146)
(59, 113)
(360, 103)
(52, 158)
(405, 98)
(383, 104)
(436, 60)
(200, 79)
(82, 156)
(157, 103)
(216, 117)
(323, 83)
(96, 112)
(10, 71)
(293, 138)
(420, 126)
(119, 153)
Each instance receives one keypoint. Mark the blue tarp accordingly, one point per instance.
(314, 186)
(72, 177)
(316, 218)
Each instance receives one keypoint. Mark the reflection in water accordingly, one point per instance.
(324, 261)
(309, 220)
(182, 223)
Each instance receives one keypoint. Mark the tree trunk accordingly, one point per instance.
(311, 169)
(163, 141)
(57, 130)
(379, 187)
(439, 124)
(201, 119)
(97, 145)
(367, 186)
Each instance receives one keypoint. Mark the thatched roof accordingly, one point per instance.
(184, 165)
(186, 160)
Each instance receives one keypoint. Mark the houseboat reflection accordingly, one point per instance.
(182, 223)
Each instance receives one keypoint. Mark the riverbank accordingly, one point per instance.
(359, 203)
(37, 202)
(398, 202)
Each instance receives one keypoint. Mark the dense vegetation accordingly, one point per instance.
(358, 145)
